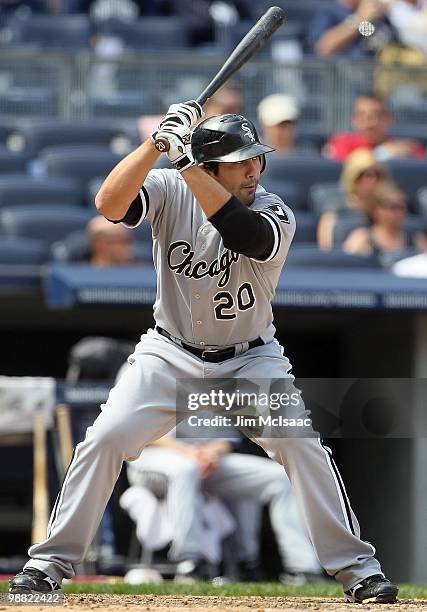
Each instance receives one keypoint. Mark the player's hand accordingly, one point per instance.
(186, 113)
(179, 138)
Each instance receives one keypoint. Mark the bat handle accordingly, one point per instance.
(162, 145)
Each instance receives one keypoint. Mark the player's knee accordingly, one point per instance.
(110, 439)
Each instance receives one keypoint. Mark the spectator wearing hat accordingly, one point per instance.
(278, 115)
(387, 211)
(360, 175)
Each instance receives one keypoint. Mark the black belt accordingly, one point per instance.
(212, 355)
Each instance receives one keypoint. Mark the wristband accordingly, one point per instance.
(352, 21)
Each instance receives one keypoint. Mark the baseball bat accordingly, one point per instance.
(63, 423)
(40, 489)
(250, 43)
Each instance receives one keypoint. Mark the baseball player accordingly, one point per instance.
(220, 242)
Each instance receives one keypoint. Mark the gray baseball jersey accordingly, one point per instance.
(206, 294)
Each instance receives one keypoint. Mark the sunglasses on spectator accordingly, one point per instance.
(371, 172)
(394, 206)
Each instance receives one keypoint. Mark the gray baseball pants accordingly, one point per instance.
(141, 408)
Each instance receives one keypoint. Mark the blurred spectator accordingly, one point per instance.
(372, 121)
(123, 8)
(196, 465)
(228, 99)
(278, 115)
(387, 214)
(8, 7)
(415, 266)
(407, 86)
(409, 18)
(335, 28)
(360, 175)
(111, 244)
(203, 14)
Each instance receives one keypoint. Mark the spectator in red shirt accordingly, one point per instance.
(372, 121)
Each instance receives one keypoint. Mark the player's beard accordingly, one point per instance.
(248, 198)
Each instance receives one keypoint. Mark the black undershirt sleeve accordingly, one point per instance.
(133, 214)
(243, 230)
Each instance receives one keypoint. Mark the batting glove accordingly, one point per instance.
(179, 138)
(186, 113)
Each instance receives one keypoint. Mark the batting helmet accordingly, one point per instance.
(227, 138)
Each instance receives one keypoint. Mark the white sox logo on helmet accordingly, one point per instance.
(246, 128)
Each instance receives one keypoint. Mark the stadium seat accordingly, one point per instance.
(422, 203)
(144, 252)
(308, 255)
(20, 250)
(305, 170)
(410, 174)
(325, 196)
(54, 132)
(229, 35)
(29, 101)
(81, 163)
(161, 34)
(73, 247)
(346, 224)
(306, 227)
(17, 190)
(50, 32)
(43, 222)
(12, 163)
(312, 136)
(123, 105)
(349, 221)
(142, 233)
(290, 192)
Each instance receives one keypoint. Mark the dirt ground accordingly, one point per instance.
(167, 603)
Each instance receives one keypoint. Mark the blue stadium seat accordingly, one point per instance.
(17, 190)
(326, 196)
(305, 170)
(50, 32)
(73, 247)
(349, 221)
(306, 227)
(142, 233)
(7, 128)
(43, 222)
(410, 174)
(309, 255)
(29, 101)
(228, 36)
(151, 33)
(144, 252)
(12, 163)
(345, 224)
(81, 163)
(20, 250)
(290, 192)
(123, 105)
(422, 203)
(39, 135)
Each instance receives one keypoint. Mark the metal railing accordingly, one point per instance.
(82, 85)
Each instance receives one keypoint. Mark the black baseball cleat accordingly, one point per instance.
(32, 580)
(374, 589)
